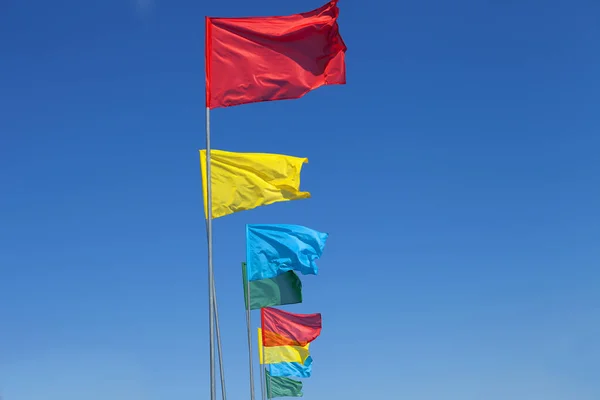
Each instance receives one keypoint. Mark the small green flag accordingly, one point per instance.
(282, 387)
(280, 290)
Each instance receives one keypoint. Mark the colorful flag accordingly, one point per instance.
(243, 181)
(280, 290)
(274, 355)
(274, 249)
(282, 328)
(256, 59)
(282, 387)
(292, 369)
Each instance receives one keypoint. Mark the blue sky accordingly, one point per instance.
(456, 173)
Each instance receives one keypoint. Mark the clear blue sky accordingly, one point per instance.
(457, 173)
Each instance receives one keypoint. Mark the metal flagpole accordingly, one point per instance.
(249, 325)
(219, 348)
(262, 374)
(269, 386)
(262, 383)
(211, 299)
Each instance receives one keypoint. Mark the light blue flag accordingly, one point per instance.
(292, 369)
(274, 249)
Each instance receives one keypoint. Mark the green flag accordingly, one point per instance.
(282, 387)
(280, 290)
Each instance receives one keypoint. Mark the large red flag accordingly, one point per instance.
(256, 59)
(282, 328)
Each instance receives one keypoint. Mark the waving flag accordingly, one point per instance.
(256, 59)
(243, 181)
(274, 355)
(272, 249)
(281, 328)
(280, 290)
(293, 369)
(282, 387)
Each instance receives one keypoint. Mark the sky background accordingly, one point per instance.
(457, 174)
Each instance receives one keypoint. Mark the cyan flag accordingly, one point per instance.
(292, 369)
(274, 249)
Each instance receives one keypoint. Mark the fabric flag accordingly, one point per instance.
(292, 369)
(256, 59)
(280, 290)
(243, 181)
(282, 387)
(282, 328)
(274, 249)
(274, 355)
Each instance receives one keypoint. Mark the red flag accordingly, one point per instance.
(249, 60)
(282, 328)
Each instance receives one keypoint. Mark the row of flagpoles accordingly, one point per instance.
(249, 60)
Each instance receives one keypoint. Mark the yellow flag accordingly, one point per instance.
(278, 354)
(243, 181)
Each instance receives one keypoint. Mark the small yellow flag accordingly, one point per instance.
(278, 354)
(243, 181)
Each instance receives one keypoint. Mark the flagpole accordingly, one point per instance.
(262, 373)
(261, 360)
(270, 383)
(219, 348)
(248, 326)
(211, 297)
(262, 382)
